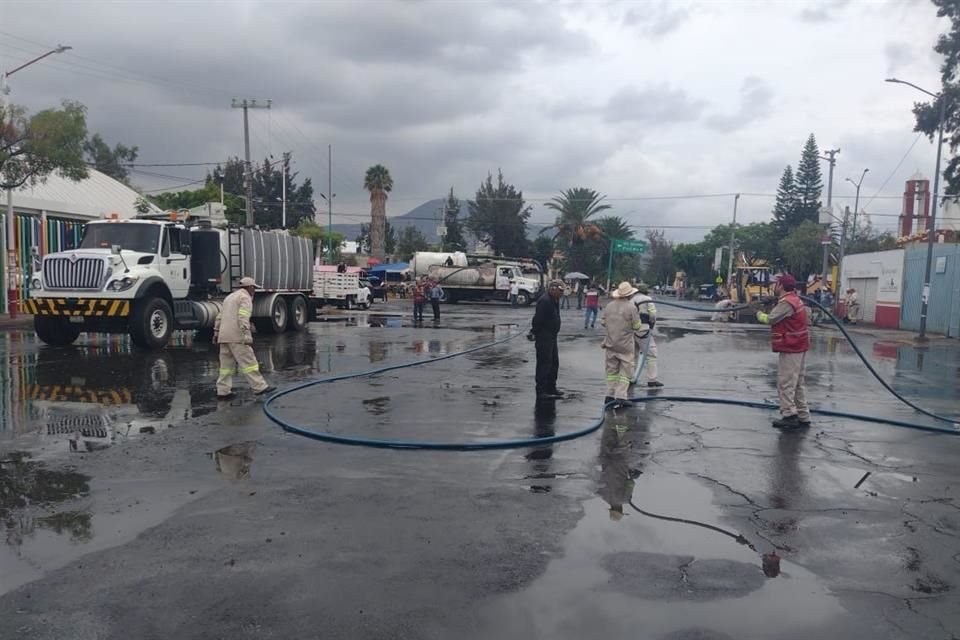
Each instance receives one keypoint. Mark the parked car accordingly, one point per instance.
(668, 290)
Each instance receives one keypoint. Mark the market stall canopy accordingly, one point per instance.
(576, 275)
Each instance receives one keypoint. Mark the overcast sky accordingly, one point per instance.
(634, 99)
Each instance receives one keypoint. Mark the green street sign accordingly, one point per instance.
(629, 246)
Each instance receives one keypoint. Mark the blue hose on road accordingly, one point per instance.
(590, 428)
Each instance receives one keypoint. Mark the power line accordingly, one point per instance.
(895, 169)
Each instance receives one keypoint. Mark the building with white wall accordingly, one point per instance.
(878, 279)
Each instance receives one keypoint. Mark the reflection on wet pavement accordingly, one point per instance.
(234, 460)
(27, 485)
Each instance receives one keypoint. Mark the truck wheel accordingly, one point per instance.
(277, 322)
(151, 323)
(298, 313)
(55, 331)
(523, 298)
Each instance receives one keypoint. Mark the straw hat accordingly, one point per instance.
(624, 290)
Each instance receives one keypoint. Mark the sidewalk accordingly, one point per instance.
(23, 321)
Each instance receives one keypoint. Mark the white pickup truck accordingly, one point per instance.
(345, 290)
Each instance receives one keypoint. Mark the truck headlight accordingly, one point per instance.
(36, 284)
(122, 284)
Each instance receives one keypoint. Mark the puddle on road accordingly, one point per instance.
(635, 576)
(234, 460)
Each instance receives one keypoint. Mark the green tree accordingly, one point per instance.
(598, 251)
(410, 241)
(379, 183)
(927, 114)
(390, 237)
(320, 236)
(188, 199)
(801, 250)
(573, 227)
(754, 240)
(868, 238)
(809, 186)
(661, 267)
(542, 249)
(112, 162)
(694, 259)
(499, 217)
(453, 240)
(785, 209)
(50, 141)
(267, 192)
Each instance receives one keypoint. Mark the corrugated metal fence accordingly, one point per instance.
(943, 310)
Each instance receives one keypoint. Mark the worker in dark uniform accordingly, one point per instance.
(543, 332)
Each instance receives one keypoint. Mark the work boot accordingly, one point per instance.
(787, 422)
(608, 399)
(225, 396)
(654, 384)
(269, 389)
(804, 423)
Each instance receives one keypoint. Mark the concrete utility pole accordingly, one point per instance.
(831, 158)
(332, 195)
(853, 232)
(248, 169)
(733, 238)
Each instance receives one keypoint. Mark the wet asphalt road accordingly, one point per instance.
(134, 505)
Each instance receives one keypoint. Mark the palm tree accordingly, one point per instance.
(612, 228)
(379, 183)
(573, 225)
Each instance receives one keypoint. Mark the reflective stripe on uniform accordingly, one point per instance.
(637, 324)
(618, 378)
(250, 368)
(244, 313)
(227, 372)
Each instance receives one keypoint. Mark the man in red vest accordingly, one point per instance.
(789, 337)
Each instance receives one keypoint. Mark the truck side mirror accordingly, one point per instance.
(115, 249)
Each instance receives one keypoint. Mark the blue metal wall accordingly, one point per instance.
(943, 310)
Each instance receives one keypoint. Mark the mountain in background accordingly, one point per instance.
(426, 218)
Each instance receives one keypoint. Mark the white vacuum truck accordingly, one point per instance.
(148, 277)
(464, 277)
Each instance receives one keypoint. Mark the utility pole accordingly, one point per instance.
(329, 196)
(330, 202)
(733, 238)
(248, 168)
(853, 232)
(832, 159)
(283, 191)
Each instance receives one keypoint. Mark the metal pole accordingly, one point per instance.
(11, 267)
(932, 228)
(733, 233)
(330, 203)
(610, 265)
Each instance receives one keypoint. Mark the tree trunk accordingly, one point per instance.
(378, 221)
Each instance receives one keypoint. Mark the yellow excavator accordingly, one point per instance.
(752, 283)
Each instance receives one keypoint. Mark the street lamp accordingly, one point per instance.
(9, 241)
(853, 232)
(932, 227)
(329, 202)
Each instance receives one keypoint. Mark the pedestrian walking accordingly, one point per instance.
(232, 332)
(790, 338)
(543, 332)
(567, 292)
(852, 306)
(514, 292)
(648, 316)
(436, 293)
(622, 321)
(419, 298)
(592, 300)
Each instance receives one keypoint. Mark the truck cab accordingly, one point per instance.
(125, 274)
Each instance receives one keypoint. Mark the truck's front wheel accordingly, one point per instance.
(55, 331)
(523, 298)
(151, 323)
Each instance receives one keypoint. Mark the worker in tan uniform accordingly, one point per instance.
(233, 333)
(622, 320)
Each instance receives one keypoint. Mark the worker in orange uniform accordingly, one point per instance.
(790, 338)
(233, 333)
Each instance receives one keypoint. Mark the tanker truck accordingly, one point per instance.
(148, 277)
(478, 278)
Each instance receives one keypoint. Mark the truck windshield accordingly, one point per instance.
(132, 237)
